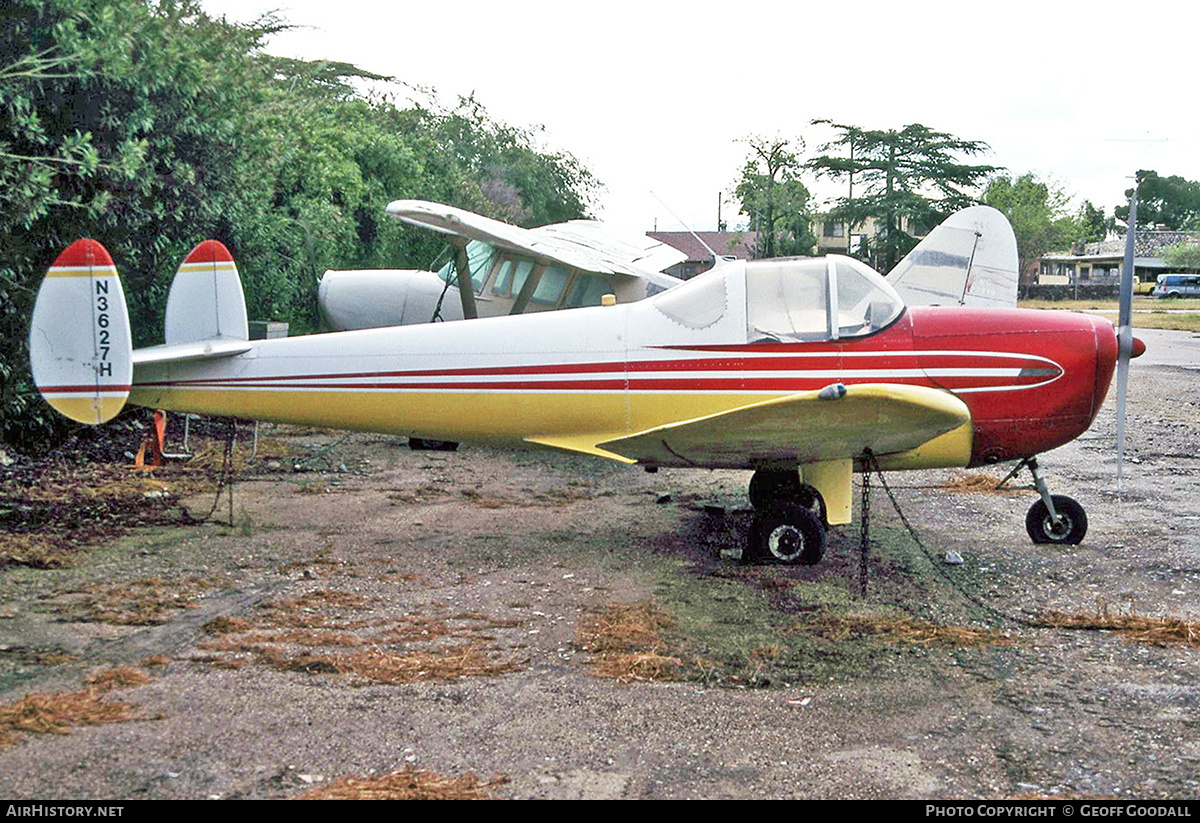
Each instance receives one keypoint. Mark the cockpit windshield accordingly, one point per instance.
(819, 298)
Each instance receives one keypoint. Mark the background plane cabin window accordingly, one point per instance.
(586, 290)
(479, 260)
(551, 287)
(511, 276)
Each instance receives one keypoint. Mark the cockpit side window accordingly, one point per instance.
(787, 300)
(824, 298)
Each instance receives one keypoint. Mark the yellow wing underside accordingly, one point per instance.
(803, 428)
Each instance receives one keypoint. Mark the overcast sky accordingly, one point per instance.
(654, 96)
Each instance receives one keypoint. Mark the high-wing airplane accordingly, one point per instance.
(802, 370)
(496, 269)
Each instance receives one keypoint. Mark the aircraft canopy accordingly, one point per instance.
(815, 298)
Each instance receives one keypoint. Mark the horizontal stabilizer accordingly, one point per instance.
(79, 341)
(807, 427)
(194, 350)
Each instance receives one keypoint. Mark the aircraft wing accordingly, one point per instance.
(835, 423)
(581, 244)
(968, 260)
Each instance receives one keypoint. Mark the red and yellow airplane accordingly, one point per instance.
(802, 370)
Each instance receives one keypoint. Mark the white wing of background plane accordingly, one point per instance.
(968, 260)
(580, 244)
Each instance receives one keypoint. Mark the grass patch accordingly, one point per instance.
(976, 482)
(1158, 631)
(901, 630)
(147, 602)
(60, 712)
(408, 784)
(1108, 304)
(53, 510)
(1180, 315)
(626, 643)
(297, 635)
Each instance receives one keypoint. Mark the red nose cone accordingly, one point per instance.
(1139, 348)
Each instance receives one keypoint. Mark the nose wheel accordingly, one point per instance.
(789, 522)
(1055, 518)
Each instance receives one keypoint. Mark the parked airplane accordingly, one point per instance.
(803, 370)
(497, 269)
(970, 259)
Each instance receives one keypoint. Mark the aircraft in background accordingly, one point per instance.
(970, 259)
(802, 370)
(496, 269)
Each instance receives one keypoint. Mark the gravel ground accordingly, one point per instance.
(506, 551)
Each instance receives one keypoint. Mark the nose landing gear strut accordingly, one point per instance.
(1055, 518)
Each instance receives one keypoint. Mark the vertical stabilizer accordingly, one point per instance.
(206, 299)
(80, 350)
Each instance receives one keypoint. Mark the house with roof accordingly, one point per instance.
(1100, 262)
(737, 244)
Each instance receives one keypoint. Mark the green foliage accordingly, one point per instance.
(1171, 203)
(1093, 225)
(1183, 256)
(912, 174)
(149, 126)
(1038, 213)
(771, 194)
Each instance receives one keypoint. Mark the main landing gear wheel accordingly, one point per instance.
(788, 534)
(771, 488)
(424, 444)
(1068, 530)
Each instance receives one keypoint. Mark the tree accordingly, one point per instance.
(911, 174)
(1038, 213)
(1171, 203)
(1183, 256)
(1093, 225)
(777, 203)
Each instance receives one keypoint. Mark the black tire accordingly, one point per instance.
(1069, 531)
(421, 444)
(788, 535)
(771, 489)
(768, 487)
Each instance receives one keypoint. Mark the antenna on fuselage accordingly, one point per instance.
(716, 258)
